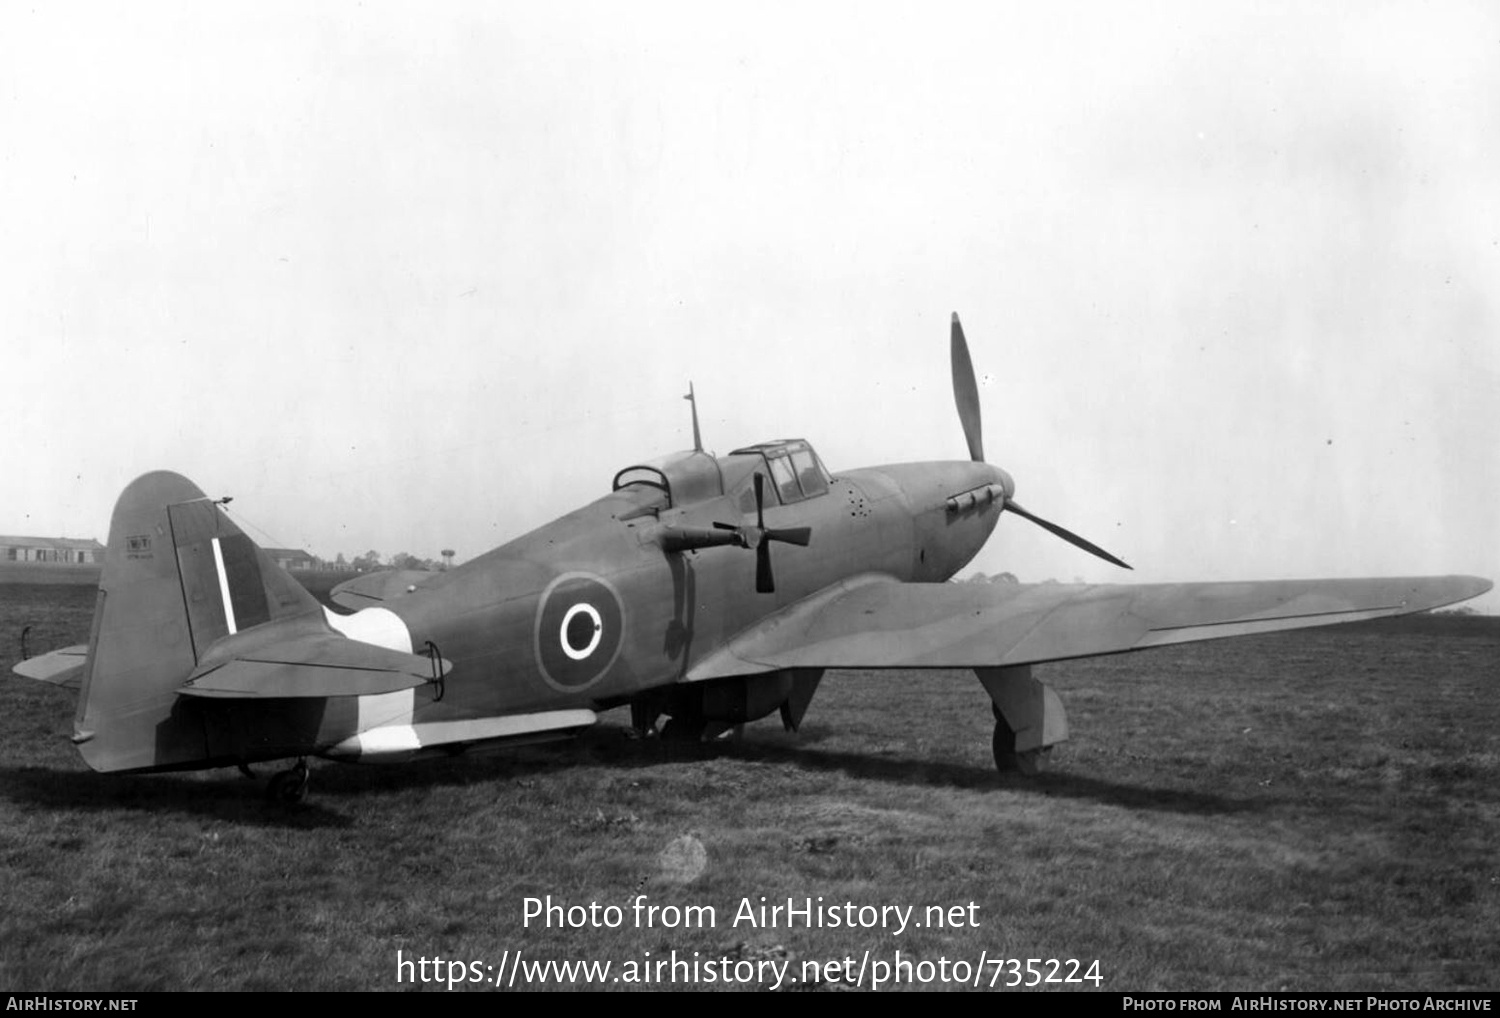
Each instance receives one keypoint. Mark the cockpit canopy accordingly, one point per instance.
(686, 478)
(796, 472)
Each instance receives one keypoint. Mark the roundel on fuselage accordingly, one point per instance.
(579, 625)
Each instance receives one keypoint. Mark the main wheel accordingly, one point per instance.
(723, 731)
(289, 786)
(1003, 745)
(683, 729)
(1032, 762)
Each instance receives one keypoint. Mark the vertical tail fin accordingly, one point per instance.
(178, 575)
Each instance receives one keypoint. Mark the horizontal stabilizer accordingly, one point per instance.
(391, 743)
(60, 667)
(879, 623)
(374, 588)
(314, 665)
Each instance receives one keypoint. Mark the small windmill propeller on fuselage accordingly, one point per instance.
(760, 537)
(966, 395)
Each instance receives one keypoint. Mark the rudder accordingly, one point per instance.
(178, 576)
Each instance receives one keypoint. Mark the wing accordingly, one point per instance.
(60, 667)
(880, 623)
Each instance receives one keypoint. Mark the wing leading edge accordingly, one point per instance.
(875, 622)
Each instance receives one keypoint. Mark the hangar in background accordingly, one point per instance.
(62, 551)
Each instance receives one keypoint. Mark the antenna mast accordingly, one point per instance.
(697, 438)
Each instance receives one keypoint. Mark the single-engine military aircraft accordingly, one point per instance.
(664, 595)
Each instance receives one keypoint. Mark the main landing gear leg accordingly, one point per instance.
(1029, 719)
(289, 786)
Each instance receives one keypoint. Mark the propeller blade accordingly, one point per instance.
(760, 539)
(1066, 535)
(792, 535)
(966, 393)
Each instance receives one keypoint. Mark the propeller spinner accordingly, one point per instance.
(966, 395)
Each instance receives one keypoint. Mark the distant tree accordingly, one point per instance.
(997, 578)
(406, 560)
(368, 562)
(340, 562)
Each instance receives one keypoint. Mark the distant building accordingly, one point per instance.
(291, 559)
(69, 551)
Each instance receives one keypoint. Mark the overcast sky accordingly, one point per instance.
(407, 277)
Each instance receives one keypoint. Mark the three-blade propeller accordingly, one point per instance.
(966, 395)
(759, 537)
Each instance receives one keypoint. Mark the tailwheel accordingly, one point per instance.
(289, 786)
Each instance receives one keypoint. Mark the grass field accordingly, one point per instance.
(1311, 810)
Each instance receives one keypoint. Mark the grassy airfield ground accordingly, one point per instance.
(1313, 810)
